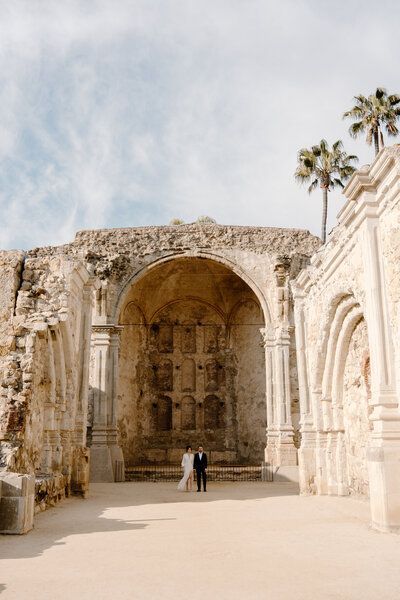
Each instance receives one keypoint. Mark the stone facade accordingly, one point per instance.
(125, 345)
(347, 332)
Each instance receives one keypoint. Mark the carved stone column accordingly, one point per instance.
(307, 466)
(267, 334)
(286, 452)
(280, 450)
(106, 459)
(384, 451)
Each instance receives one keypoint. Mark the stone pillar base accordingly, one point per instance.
(384, 486)
(307, 470)
(281, 453)
(321, 478)
(101, 469)
(80, 471)
(118, 464)
(106, 464)
(17, 500)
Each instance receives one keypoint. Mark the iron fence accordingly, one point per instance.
(214, 473)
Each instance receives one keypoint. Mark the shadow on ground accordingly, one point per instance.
(76, 516)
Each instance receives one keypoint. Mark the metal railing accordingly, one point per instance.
(214, 473)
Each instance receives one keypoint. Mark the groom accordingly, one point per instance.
(200, 466)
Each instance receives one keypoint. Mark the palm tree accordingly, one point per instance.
(324, 167)
(372, 114)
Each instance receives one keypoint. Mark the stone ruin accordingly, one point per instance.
(123, 346)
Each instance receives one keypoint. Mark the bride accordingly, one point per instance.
(187, 463)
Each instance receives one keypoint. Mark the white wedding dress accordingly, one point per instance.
(187, 464)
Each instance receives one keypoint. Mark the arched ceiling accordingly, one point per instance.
(181, 278)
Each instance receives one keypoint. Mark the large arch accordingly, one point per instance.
(342, 415)
(191, 333)
(218, 258)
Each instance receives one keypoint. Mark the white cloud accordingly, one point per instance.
(128, 113)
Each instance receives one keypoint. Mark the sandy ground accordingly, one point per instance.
(239, 540)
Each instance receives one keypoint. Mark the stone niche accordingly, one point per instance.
(356, 410)
(191, 368)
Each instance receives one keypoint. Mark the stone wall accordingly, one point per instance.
(263, 261)
(135, 395)
(43, 379)
(356, 398)
(191, 366)
(347, 338)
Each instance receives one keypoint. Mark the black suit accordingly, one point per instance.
(200, 464)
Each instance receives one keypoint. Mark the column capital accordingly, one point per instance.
(268, 336)
(276, 335)
(109, 329)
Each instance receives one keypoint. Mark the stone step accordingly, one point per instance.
(174, 473)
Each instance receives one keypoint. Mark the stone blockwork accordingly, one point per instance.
(127, 344)
(45, 344)
(347, 337)
(192, 367)
(137, 341)
(172, 299)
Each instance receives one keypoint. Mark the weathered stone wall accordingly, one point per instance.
(191, 366)
(11, 264)
(248, 351)
(356, 411)
(43, 384)
(53, 299)
(390, 243)
(347, 337)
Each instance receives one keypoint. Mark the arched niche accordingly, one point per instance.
(188, 418)
(163, 375)
(188, 337)
(187, 305)
(162, 413)
(214, 408)
(188, 375)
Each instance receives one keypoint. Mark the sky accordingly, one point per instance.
(133, 112)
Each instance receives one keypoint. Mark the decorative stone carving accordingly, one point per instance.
(281, 270)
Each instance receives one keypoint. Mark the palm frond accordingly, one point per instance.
(370, 114)
(391, 128)
(356, 128)
(394, 99)
(312, 186)
(336, 182)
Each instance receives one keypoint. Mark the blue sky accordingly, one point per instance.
(118, 114)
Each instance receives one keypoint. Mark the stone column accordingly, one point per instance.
(286, 452)
(307, 456)
(106, 460)
(280, 450)
(267, 334)
(383, 455)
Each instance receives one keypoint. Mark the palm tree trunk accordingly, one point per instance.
(324, 213)
(376, 141)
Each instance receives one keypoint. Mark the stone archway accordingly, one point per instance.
(341, 385)
(192, 367)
